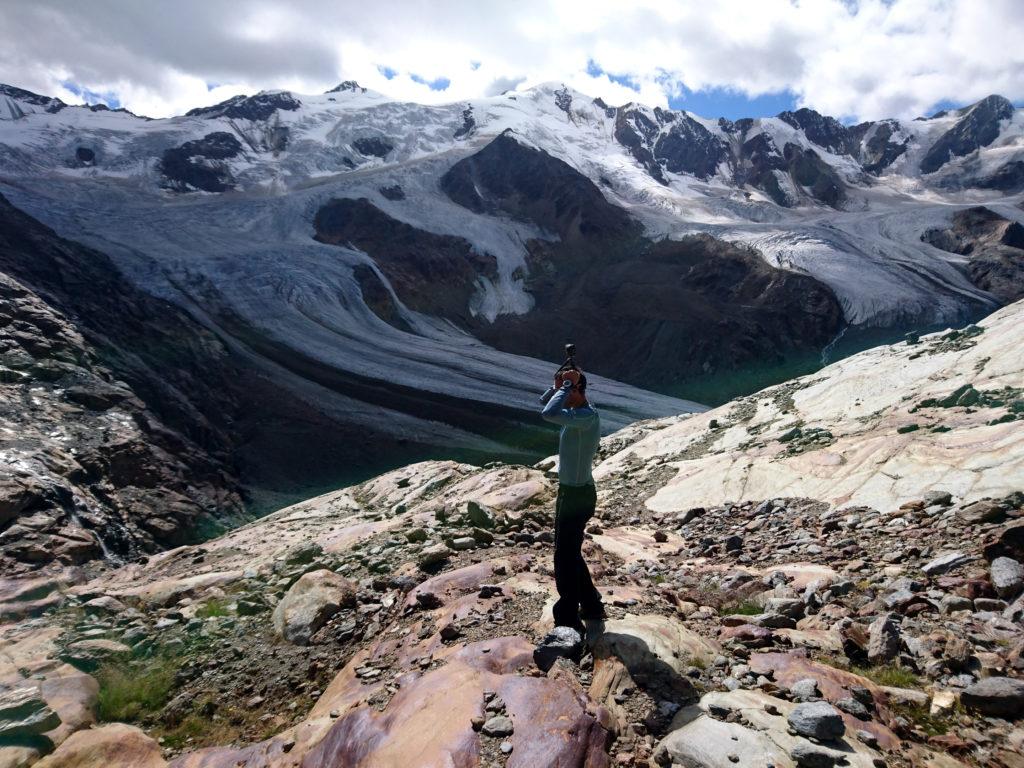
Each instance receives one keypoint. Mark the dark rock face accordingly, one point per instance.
(1007, 178)
(879, 152)
(689, 147)
(468, 124)
(86, 342)
(508, 178)
(978, 127)
(199, 164)
(259, 107)
(373, 146)
(415, 262)
(824, 131)
(635, 131)
(994, 245)
(347, 85)
(378, 298)
(808, 170)
(48, 103)
(653, 313)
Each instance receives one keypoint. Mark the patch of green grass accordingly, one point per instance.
(130, 691)
(921, 717)
(743, 608)
(699, 662)
(892, 675)
(213, 607)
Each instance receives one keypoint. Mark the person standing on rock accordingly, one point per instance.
(566, 405)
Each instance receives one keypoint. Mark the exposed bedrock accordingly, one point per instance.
(120, 404)
(993, 245)
(977, 127)
(433, 274)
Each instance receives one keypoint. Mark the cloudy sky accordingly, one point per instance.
(855, 60)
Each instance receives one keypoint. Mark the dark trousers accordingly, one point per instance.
(574, 507)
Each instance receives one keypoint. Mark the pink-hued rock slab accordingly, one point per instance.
(833, 683)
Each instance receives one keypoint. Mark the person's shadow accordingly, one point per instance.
(664, 689)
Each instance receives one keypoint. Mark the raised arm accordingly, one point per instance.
(556, 412)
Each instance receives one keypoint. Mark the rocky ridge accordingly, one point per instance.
(825, 620)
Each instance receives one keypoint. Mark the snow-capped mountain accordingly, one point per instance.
(386, 281)
(348, 232)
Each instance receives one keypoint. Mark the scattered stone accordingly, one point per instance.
(805, 690)
(498, 726)
(946, 563)
(807, 755)
(561, 642)
(1007, 576)
(433, 555)
(883, 639)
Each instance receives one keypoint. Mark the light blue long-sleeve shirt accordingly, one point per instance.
(579, 438)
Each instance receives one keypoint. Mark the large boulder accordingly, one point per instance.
(310, 603)
(997, 696)
(112, 746)
(817, 719)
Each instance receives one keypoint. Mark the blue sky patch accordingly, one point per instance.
(388, 72)
(594, 70)
(439, 84)
(732, 105)
(93, 97)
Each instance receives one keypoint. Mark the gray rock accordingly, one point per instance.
(89, 654)
(805, 690)
(787, 606)
(438, 553)
(561, 642)
(950, 603)
(941, 498)
(463, 543)
(990, 605)
(853, 707)
(499, 725)
(996, 696)
(946, 563)
(883, 639)
(416, 535)
(24, 712)
(817, 719)
(807, 755)
(479, 514)
(1007, 576)
(105, 604)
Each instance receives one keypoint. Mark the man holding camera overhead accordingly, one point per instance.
(566, 404)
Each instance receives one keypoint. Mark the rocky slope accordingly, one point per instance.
(826, 573)
(115, 408)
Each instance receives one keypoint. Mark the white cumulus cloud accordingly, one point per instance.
(859, 60)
